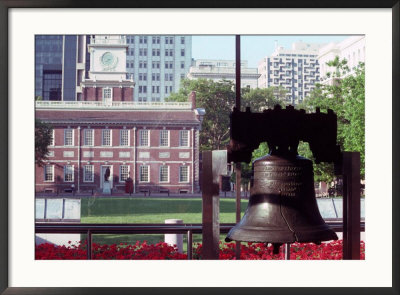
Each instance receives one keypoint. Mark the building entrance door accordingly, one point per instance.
(103, 172)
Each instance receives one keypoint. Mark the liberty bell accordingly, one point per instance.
(282, 207)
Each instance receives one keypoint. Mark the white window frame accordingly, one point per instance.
(85, 137)
(160, 174)
(45, 173)
(162, 138)
(87, 172)
(127, 174)
(108, 97)
(72, 172)
(180, 174)
(103, 138)
(181, 132)
(72, 136)
(121, 141)
(141, 167)
(52, 140)
(141, 137)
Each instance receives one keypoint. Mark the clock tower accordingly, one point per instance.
(107, 79)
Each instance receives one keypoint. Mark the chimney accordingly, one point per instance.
(192, 99)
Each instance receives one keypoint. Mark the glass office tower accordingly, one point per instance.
(60, 64)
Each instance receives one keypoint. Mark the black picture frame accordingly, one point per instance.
(4, 148)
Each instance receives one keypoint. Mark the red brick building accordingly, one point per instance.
(156, 144)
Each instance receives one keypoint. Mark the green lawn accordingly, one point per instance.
(149, 210)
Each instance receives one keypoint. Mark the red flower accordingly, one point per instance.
(143, 251)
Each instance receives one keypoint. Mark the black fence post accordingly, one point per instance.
(89, 245)
(351, 206)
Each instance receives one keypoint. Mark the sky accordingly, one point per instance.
(253, 48)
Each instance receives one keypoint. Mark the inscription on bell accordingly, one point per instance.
(277, 168)
(283, 188)
(283, 180)
(261, 175)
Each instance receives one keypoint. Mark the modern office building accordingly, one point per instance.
(157, 63)
(218, 70)
(106, 132)
(351, 49)
(295, 69)
(60, 63)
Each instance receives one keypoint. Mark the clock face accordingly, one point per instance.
(108, 60)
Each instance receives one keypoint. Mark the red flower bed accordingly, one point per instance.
(162, 251)
(138, 251)
(303, 251)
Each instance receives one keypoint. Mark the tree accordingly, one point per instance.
(217, 98)
(262, 98)
(346, 97)
(43, 137)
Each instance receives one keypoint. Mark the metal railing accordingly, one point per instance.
(155, 228)
(133, 105)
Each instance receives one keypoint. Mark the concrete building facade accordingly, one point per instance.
(218, 70)
(295, 69)
(157, 64)
(351, 49)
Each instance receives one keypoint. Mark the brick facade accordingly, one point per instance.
(78, 154)
(96, 93)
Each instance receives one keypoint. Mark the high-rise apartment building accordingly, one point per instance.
(60, 63)
(295, 69)
(218, 70)
(157, 64)
(351, 49)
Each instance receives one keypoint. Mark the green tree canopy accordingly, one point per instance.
(345, 95)
(218, 99)
(261, 98)
(43, 137)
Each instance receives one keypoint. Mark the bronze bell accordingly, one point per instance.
(282, 206)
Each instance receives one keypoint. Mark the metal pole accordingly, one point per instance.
(287, 251)
(189, 244)
(351, 206)
(238, 72)
(238, 165)
(238, 181)
(89, 245)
